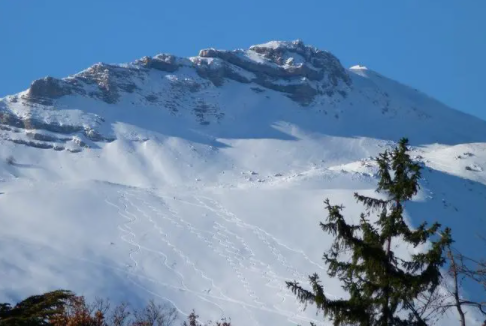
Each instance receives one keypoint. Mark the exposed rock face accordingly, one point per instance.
(204, 112)
(11, 120)
(173, 83)
(316, 64)
(282, 66)
(48, 87)
(110, 79)
(301, 92)
(162, 62)
(216, 70)
(300, 71)
(95, 136)
(55, 133)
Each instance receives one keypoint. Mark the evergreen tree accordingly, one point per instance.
(36, 310)
(382, 287)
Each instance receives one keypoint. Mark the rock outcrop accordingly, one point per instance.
(287, 67)
(110, 81)
(302, 72)
(162, 62)
(48, 87)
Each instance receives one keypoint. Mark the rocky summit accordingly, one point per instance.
(293, 68)
(311, 78)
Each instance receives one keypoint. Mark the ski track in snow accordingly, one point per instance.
(223, 242)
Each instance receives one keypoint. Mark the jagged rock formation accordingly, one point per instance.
(48, 87)
(162, 62)
(51, 133)
(288, 67)
(300, 71)
(69, 113)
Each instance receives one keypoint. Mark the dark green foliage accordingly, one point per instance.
(36, 310)
(63, 308)
(382, 287)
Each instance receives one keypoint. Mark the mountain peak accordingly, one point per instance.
(300, 71)
(276, 44)
(285, 59)
(215, 86)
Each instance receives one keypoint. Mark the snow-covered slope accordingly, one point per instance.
(200, 180)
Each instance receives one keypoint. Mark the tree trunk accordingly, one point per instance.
(457, 299)
(386, 291)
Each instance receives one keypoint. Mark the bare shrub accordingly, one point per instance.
(155, 315)
(192, 320)
(77, 312)
(64, 308)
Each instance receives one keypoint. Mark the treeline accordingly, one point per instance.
(64, 308)
(383, 289)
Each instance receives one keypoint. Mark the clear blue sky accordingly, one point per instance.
(437, 46)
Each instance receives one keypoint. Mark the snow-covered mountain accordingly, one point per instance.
(200, 181)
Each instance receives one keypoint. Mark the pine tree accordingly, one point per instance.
(36, 310)
(382, 287)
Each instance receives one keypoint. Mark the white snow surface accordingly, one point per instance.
(217, 217)
(276, 44)
(359, 67)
